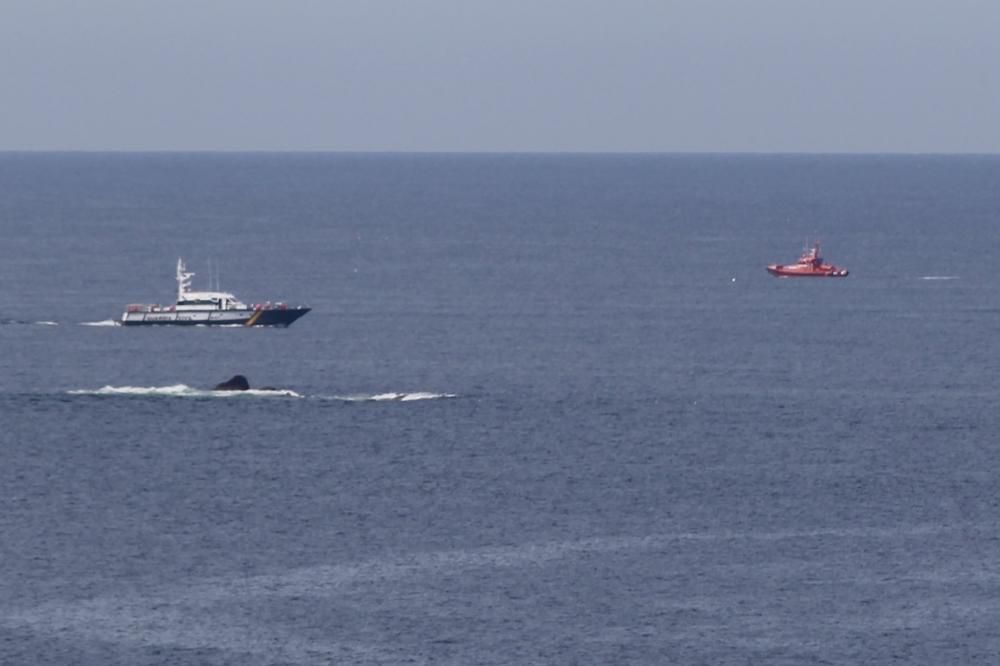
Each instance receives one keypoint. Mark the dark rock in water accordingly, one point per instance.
(240, 383)
(236, 383)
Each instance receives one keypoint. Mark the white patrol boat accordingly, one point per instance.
(209, 308)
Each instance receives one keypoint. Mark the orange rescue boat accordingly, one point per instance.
(810, 264)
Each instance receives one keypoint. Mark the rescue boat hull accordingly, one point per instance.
(778, 270)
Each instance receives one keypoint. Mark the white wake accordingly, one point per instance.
(19, 322)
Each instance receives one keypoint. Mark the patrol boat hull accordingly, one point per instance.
(271, 317)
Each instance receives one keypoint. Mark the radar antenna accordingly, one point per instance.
(183, 280)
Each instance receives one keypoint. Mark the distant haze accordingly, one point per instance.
(511, 75)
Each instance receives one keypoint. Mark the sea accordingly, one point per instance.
(546, 409)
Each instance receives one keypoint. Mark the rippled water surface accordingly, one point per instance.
(546, 409)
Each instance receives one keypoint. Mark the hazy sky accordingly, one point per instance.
(502, 75)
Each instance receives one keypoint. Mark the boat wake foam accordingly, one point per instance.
(20, 322)
(104, 322)
(939, 277)
(183, 391)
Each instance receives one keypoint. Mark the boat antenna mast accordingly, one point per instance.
(183, 280)
(214, 276)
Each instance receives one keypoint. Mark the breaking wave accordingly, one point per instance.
(939, 277)
(183, 391)
(396, 397)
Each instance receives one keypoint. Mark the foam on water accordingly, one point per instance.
(185, 391)
(426, 396)
(104, 322)
(392, 397)
(182, 391)
(939, 277)
(263, 393)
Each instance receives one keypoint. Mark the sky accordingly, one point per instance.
(908, 76)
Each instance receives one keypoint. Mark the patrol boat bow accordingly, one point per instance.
(209, 308)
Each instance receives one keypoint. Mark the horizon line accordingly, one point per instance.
(299, 151)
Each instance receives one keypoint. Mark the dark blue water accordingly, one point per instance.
(546, 409)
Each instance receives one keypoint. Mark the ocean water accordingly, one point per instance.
(547, 409)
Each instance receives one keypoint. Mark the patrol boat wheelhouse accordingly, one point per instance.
(209, 308)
